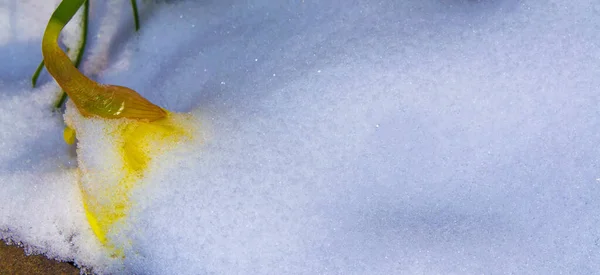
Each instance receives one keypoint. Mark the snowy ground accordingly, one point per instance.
(341, 137)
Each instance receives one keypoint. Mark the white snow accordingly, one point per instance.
(338, 137)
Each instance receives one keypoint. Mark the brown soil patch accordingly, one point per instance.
(14, 261)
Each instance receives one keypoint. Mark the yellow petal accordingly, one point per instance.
(69, 135)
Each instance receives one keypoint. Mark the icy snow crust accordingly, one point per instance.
(341, 137)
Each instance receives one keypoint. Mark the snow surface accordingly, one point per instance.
(341, 137)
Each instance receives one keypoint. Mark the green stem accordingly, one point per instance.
(35, 76)
(91, 98)
(136, 19)
(86, 13)
(86, 7)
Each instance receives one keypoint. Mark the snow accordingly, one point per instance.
(354, 137)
